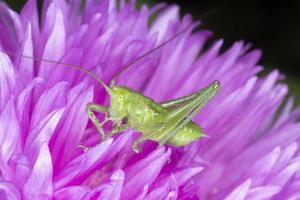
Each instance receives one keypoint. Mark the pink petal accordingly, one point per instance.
(22, 104)
(148, 168)
(30, 15)
(14, 31)
(51, 99)
(55, 44)
(169, 15)
(286, 174)
(7, 79)
(265, 192)
(9, 191)
(9, 137)
(80, 165)
(26, 64)
(71, 128)
(39, 184)
(72, 192)
(42, 133)
(240, 192)
(184, 175)
(167, 191)
(113, 191)
(261, 169)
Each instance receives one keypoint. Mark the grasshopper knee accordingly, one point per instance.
(96, 108)
(90, 113)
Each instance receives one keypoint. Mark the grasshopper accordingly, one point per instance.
(167, 122)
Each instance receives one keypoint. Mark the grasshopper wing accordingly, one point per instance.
(183, 101)
(184, 109)
(190, 106)
(176, 103)
(154, 127)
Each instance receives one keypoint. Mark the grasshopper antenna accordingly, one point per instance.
(77, 67)
(205, 15)
(148, 53)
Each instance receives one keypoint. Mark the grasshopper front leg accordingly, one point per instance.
(90, 109)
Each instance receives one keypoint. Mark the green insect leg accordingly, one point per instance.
(118, 128)
(90, 109)
(137, 144)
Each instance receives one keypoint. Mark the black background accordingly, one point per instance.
(273, 26)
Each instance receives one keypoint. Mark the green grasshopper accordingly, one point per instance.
(168, 122)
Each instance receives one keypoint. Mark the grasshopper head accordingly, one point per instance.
(118, 102)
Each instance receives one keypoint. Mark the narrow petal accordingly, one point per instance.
(148, 168)
(183, 175)
(51, 99)
(39, 185)
(22, 104)
(113, 192)
(167, 191)
(7, 79)
(72, 192)
(286, 174)
(55, 44)
(29, 14)
(9, 191)
(9, 138)
(26, 65)
(262, 168)
(42, 133)
(10, 24)
(72, 126)
(265, 192)
(240, 192)
(79, 166)
(168, 16)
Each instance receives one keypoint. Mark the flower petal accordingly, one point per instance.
(9, 191)
(23, 101)
(72, 192)
(113, 192)
(72, 126)
(7, 79)
(9, 139)
(148, 168)
(240, 192)
(39, 184)
(26, 65)
(55, 44)
(10, 24)
(265, 192)
(79, 166)
(51, 99)
(42, 133)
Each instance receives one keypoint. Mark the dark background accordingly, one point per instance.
(273, 26)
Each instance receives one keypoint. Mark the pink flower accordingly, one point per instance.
(252, 151)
